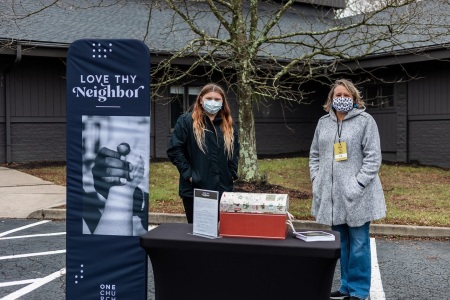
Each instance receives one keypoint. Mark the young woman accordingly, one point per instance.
(344, 160)
(205, 147)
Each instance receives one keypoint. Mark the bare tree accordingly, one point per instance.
(266, 49)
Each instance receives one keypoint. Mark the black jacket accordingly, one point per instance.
(210, 170)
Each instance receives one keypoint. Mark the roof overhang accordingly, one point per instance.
(429, 53)
(33, 48)
(337, 4)
(47, 49)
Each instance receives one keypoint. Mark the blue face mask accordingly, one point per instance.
(343, 104)
(212, 106)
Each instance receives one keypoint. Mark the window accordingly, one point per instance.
(379, 96)
(182, 99)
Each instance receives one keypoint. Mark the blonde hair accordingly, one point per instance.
(350, 87)
(224, 113)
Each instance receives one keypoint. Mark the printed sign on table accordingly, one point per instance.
(206, 210)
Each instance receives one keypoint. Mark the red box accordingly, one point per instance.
(250, 225)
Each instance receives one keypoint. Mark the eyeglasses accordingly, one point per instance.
(215, 99)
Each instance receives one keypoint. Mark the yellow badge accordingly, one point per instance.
(340, 151)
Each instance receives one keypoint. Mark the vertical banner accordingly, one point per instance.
(108, 153)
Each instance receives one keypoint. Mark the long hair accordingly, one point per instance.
(224, 113)
(350, 87)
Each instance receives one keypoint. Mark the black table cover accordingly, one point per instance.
(186, 266)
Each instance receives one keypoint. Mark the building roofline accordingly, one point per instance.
(50, 49)
(338, 4)
(419, 54)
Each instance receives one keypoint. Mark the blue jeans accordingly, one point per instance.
(355, 260)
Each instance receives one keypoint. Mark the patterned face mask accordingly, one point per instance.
(343, 104)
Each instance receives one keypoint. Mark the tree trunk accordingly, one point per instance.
(248, 163)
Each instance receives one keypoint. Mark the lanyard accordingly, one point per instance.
(339, 132)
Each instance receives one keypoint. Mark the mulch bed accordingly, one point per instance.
(246, 187)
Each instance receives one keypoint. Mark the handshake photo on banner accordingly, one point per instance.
(115, 175)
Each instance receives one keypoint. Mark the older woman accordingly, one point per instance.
(345, 157)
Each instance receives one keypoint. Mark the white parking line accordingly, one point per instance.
(18, 282)
(376, 286)
(31, 284)
(23, 227)
(36, 284)
(31, 236)
(32, 254)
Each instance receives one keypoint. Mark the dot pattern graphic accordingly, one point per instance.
(79, 276)
(101, 51)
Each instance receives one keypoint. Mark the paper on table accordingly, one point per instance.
(314, 236)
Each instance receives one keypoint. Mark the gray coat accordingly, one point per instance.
(338, 197)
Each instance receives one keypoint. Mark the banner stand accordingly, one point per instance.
(108, 154)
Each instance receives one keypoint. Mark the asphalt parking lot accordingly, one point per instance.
(32, 259)
(32, 264)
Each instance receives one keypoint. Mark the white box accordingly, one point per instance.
(254, 203)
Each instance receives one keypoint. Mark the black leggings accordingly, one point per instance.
(188, 203)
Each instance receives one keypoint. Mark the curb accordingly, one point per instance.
(375, 229)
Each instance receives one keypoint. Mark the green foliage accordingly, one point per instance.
(415, 195)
